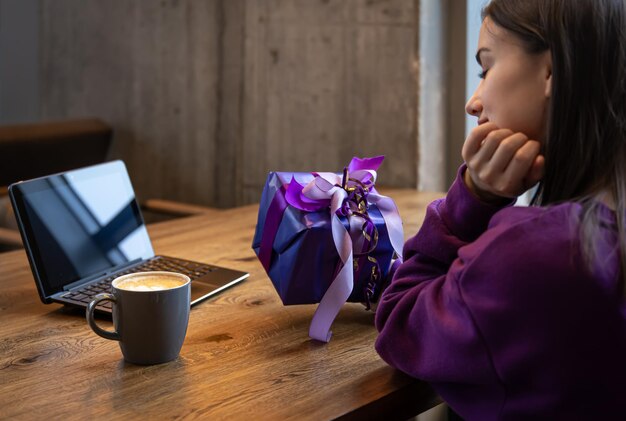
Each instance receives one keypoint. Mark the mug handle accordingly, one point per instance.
(92, 323)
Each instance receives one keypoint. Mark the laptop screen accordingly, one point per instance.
(80, 224)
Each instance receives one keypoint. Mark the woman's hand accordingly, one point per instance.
(500, 163)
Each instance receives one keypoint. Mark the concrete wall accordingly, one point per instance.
(19, 61)
(207, 96)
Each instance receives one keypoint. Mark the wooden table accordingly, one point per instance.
(246, 356)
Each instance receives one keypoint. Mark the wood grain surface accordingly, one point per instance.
(246, 356)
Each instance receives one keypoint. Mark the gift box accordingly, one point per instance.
(327, 238)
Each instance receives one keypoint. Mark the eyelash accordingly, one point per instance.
(483, 74)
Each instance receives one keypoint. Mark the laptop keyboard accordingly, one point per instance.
(194, 270)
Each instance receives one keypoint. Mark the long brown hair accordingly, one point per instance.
(585, 149)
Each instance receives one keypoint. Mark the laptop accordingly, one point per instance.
(83, 228)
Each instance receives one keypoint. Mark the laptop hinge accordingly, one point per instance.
(88, 279)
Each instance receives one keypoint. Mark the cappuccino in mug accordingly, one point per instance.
(150, 283)
(150, 315)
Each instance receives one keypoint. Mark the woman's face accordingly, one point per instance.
(515, 86)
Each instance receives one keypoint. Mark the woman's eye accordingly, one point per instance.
(483, 74)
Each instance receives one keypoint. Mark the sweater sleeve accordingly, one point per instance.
(425, 328)
(500, 312)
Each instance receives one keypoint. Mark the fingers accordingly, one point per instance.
(536, 172)
(475, 139)
(507, 150)
(516, 174)
(501, 162)
(499, 147)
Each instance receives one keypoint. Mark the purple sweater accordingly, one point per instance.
(498, 311)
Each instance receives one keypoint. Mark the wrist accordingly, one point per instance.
(483, 195)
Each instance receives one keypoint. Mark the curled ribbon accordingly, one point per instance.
(348, 195)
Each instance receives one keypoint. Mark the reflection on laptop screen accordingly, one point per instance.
(84, 222)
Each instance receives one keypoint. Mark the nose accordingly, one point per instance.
(474, 105)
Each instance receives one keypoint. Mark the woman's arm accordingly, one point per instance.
(424, 293)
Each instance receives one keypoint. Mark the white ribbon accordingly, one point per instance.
(326, 186)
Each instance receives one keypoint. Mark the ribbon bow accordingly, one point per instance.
(348, 195)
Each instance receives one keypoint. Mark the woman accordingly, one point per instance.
(520, 313)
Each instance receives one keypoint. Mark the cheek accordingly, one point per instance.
(494, 104)
(527, 113)
(515, 104)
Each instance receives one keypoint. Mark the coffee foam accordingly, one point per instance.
(150, 283)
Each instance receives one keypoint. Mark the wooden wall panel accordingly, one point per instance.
(207, 96)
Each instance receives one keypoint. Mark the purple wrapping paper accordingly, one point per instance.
(303, 260)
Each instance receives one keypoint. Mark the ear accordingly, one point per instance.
(547, 59)
(548, 89)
